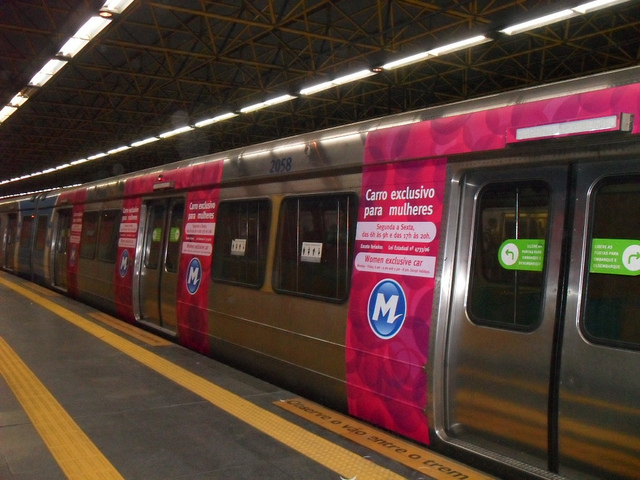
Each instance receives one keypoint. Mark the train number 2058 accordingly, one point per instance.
(281, 165)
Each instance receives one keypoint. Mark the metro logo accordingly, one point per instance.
(124, 263)
(387, 309)
(194, 275)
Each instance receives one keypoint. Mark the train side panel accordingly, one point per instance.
(274, 306)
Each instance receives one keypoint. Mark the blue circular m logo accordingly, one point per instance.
(194, 275)
(124, 263)
(387, 308)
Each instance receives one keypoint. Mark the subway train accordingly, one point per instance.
(467, 275)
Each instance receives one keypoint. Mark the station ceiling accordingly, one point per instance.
(163, 64)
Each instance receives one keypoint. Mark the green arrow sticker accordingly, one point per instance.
(615, 256)
(522, 254)
(174, 235)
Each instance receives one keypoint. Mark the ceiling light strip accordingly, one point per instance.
(96, 24)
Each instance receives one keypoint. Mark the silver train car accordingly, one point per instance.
(467, 276)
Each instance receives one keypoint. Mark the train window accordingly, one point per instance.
(240, 246)
(175, 227)
(41, 232)
(154, 233)
(612, 297)
(509, 217)
(25, 232)
(12, 228)
(108, 236)
(89, 237)
(315, 246)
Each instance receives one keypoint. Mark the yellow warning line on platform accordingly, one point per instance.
(77, 456)
(41, 290)
(334, 457)
(146, 337)
(430, 463)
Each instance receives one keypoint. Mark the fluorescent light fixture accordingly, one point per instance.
(83, 36)
(116, 6)
(267, 103)
(139, 143)
(177, 131)
(92, 28)
(352, 77)
(254, 107)
(316, 88)
(72, 47)
(18, 100)
(97, 156)
(47, 72)
(418, 57)
(539, 22)
(596, 5)
(63, 166)
(216, 119)
(460, 45)
(118, 150)
(610, 123)
(6, 112)
(78, 162)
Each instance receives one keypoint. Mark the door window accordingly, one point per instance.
(25, 232)
(12, 227)
(613, 282)
(175, 229)
(508, 255)
(108, 237)
(89, 238)
(41, 232)
(154, 233)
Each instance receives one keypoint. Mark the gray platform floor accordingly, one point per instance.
(146, 425)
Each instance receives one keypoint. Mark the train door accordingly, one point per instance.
(160, 261)
(62, 225)
(501, 339)
(599, 391)
(10, 239)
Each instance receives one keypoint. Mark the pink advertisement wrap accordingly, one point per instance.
(196, 253)
(129, 225)
(77, 199)
(397, 242)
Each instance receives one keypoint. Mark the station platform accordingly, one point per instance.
(83, 395)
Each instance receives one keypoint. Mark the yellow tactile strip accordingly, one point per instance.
(342, 461)
(77, 456)
(146, 337)
(426, 461)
